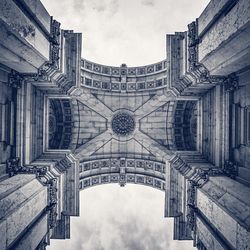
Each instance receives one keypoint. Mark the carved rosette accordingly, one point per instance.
(123, 124)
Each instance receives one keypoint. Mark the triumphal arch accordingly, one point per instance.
(181, 125)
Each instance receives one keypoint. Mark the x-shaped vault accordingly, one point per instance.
(157, 100)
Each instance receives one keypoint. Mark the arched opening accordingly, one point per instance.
(122, 171)
(60, 123)
(121, 218)
(185, 125)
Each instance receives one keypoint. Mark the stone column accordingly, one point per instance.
(223, 206)
(23, 202)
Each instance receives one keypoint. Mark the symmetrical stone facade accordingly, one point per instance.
(181, 125)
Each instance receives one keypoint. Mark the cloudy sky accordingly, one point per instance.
(116, 32)
(125, 31)
(115, 218)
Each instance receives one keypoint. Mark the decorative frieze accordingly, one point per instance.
(14, 168)
(122, 171)
(146, 165)
(122, 179)
(119, 86)
(123, 70)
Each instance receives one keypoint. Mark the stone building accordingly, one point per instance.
(181, 125)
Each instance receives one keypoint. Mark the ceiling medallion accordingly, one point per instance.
(123, 124)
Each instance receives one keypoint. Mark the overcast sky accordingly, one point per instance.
(115, 218)
(125, 31)
(116, 32)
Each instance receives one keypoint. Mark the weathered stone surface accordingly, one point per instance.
(21, 218)
(7, 186)
(207, 238)
(23, 198)
(226, 206)
(224, 48)
(218, 217)
(144, 93)
(31, 45)
(33, 237)
(224, 28)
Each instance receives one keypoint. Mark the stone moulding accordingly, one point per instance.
(123, 79)
(122, 179)
(197, 69)
(198, 176)
(55, 44)
(122, 171)
(13, 168)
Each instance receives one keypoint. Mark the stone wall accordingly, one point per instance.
(223, 30)
(23, 199)
(159, 125)
(21, 30)
(226, 205)
(241, 125)
(87, 124)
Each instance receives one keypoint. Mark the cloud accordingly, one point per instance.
(148, 2)
(129, 218)
(113, 7)
(79, 5)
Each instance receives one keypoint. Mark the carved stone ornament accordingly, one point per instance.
(122, 180)
(192, 45)
(231, 83)
(52, 218)
(191, 192)
(123, 124)
(15, 79)
(52, 207)
(191, 218)
(200, 72)
(40, 76)
(64, 163)
(14, 168)
(191, 204)
(230, 169)
(55, 44)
